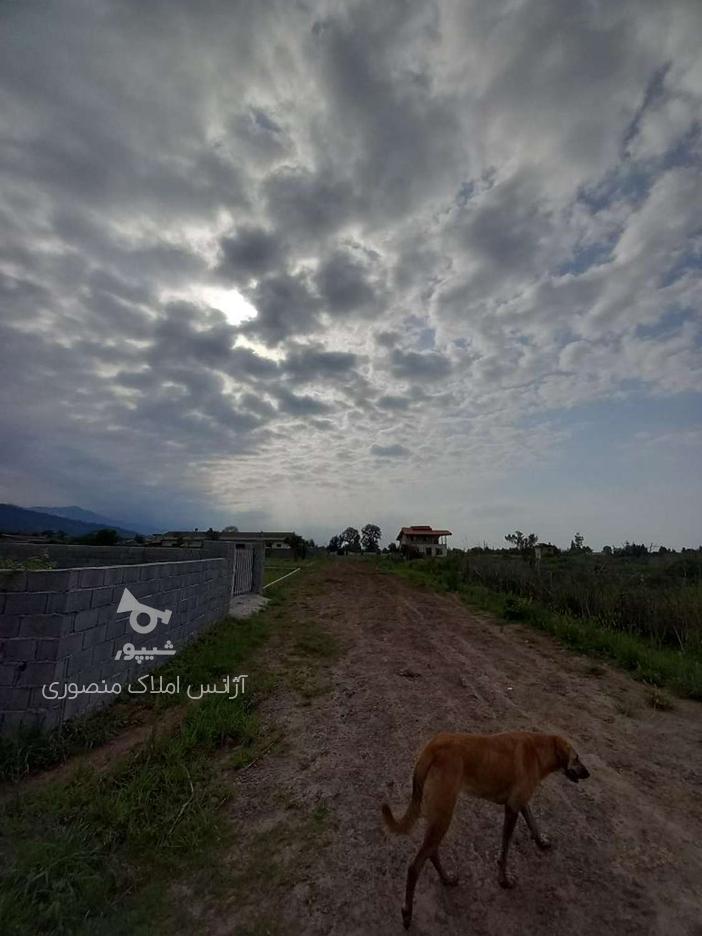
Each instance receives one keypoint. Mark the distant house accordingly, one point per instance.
(189, 538)
(423, 541)
(275, 543)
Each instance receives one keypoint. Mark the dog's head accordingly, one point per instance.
(569, 762)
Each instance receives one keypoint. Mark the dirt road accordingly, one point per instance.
(627, 855)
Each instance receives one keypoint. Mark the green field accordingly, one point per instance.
(645, 614)
(275, 568)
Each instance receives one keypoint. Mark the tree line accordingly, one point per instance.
(350, 540)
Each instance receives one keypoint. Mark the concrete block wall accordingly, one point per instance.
(73, 556)
(62, 625)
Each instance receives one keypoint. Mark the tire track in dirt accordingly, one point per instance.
(626, 855)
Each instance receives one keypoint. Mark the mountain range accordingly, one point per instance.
(73, 521)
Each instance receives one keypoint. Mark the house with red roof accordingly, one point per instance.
(420, 540)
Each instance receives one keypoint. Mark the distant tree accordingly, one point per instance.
(522, 542)
(298, 545)
(577, 544)
(334, 544)
(230, 529)
(212, 534)
(607, 550)
(392, 547)
(632, 550)
(139, 538)
(351, 539)
(370, 538)
(100, 538)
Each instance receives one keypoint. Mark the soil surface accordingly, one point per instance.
(626, 856)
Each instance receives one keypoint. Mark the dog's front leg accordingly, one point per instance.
(507, 830)
(541, 840)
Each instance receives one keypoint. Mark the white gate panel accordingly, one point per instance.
(242, 580)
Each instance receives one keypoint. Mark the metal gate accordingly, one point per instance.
(242, 579)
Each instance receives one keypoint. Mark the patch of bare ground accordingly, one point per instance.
(311, 854)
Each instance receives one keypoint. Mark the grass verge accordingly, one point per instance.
(103, 851)
(665, 667)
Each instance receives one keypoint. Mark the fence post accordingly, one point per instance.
(259, 561)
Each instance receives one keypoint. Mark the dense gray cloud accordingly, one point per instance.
(458, 226)
(344, 284)
(389, 451)
(310, 363)
(249, 252)
(419, 365)
(286, 308)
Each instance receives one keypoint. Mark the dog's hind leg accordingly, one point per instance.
(440, 794)
(432, 839)
(541, 840)
(511, 816)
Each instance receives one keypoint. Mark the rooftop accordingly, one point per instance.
(422, 530)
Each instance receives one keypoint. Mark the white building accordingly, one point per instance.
(423, 541)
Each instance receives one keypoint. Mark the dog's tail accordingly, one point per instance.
(404, 825)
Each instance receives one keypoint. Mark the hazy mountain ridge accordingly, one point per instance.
(14, 519)
(89, 516)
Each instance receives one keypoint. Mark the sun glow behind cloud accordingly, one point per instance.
(229, 302)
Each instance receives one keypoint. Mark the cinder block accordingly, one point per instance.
(13, 581)
(56, 602)
(41, 625)
(39, 702)
(79, 663)
(37, 674)
(102, 652)
(91, 578)
(130, 574)
(107, 614)
(26, 603)
(117, 592)
(47, 650)
(101, 597)
(13, 698)
(114, 576)
(141, 590)
(18, 649)
(85, 619)
(71, 644)
(54, 580)
(7, 674)
(117, 628)
(78, 600)
(111, 674)
(9, 626)
(94, 636)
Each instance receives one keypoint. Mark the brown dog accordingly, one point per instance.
(504, 768)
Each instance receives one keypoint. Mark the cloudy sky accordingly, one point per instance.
(304, 265)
